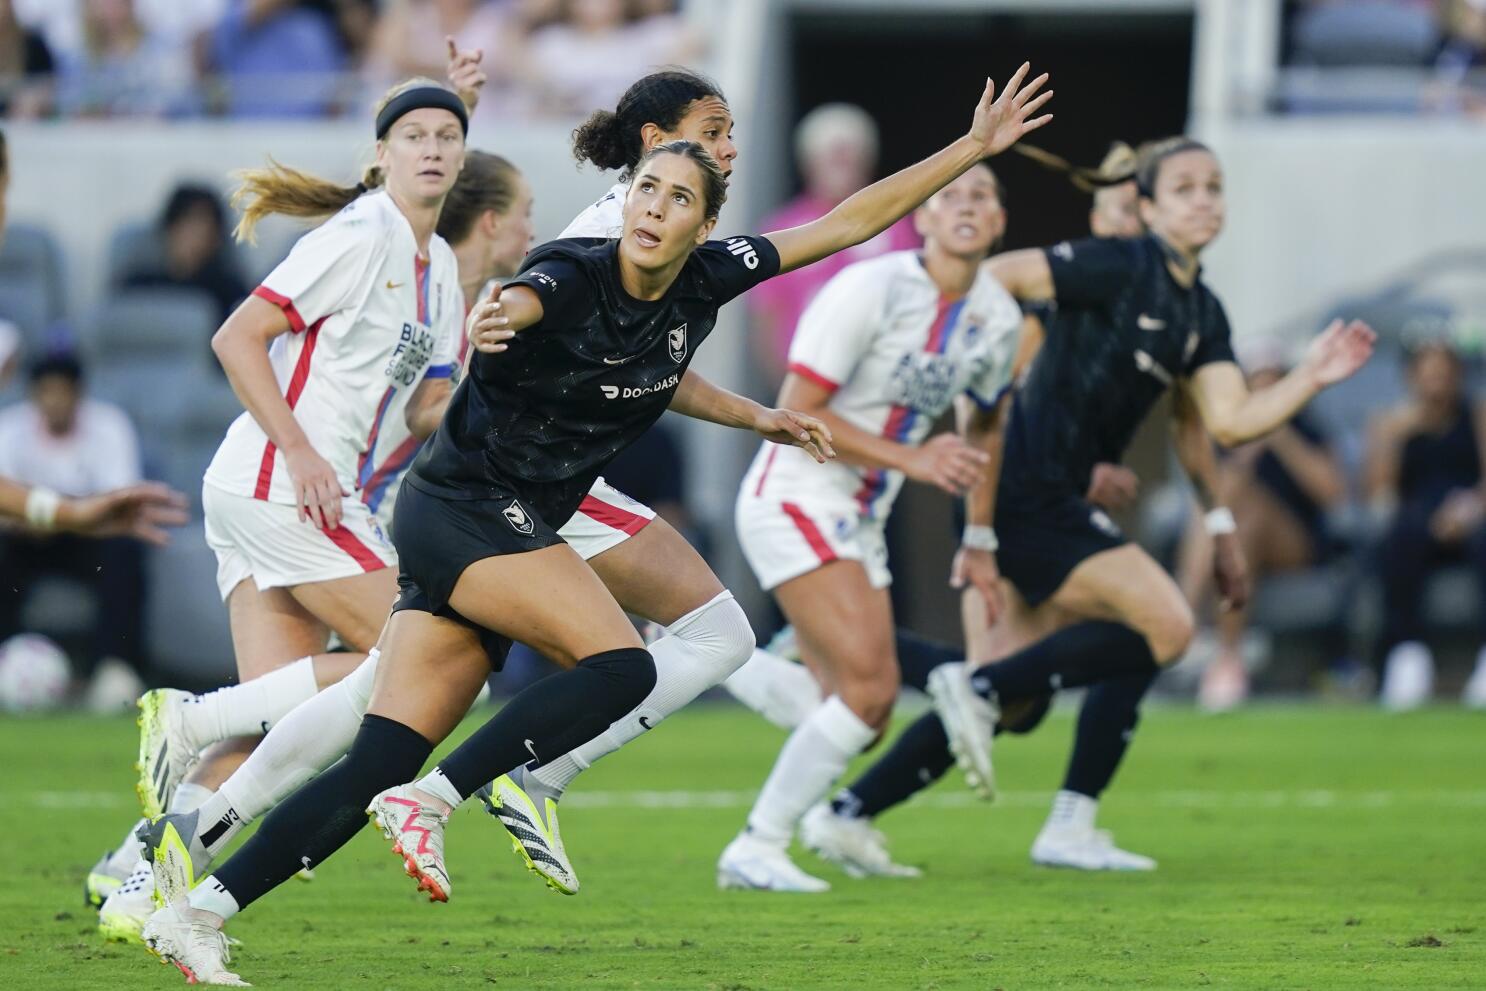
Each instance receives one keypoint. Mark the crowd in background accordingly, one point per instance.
(321, 58)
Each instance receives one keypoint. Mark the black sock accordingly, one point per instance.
(917, 657)
(918, 757)
(553, 716)
(1079, 655)
(325, 813)
(1105, 726)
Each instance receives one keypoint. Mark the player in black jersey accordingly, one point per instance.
(1133, 320)
(607, 328)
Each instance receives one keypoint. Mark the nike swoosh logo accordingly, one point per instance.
(531, 750)
(618, 361)
(1149, 323)
(395, 285)
(645, 721)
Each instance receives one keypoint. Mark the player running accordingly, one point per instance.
(879, 355)
(481, 564)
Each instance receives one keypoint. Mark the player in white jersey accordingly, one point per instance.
(879, 355)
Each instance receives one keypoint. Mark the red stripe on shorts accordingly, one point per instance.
(810, 532)
(612, 516)
(352, 545)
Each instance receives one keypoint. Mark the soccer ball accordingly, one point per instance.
(34, 673)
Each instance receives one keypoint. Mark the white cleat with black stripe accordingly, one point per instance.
(752, 864)
(528, 810)
(165, 753)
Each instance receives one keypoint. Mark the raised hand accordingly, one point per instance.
(488, 327)
(465, 75)
(1001, 122)
(1339, 351)
(785, 426)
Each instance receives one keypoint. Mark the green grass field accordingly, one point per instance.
(1299, 848)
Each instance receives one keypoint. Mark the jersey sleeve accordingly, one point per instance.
(326, 271)
(1091, 271)
(735, 265)
(993, 380)
(560, 284)
(1214, 341)
(837, 327)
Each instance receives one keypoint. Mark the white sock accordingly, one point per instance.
(813, 757)
(698, 651)
(1073, 810)
(305, 742)
(128, 852)
(210, 896)
(776, 688)
(188, 797)
(250, 708)
(434, 783)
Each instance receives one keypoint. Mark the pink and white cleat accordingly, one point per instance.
(416, 830)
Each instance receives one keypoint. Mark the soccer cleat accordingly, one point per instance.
(1086, 849)
(1473, 696)
(165, 755)
(177, 935)
(103, 880)
(123, 914)
(1408, 677)
(417, 834)
(750, 864)
(176, 854)
(851, 843)
(969, 722)
(528, 810)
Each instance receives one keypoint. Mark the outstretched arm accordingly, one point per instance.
(1233, 414)
(701, 400)
(140, 511)
(997, 125)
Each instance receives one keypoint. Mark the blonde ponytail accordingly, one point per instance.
(292, 193)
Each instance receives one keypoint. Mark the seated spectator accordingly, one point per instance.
(592, 55)
(1424, 461)
(26, 69)
(276, 58)
(76, 446)
(836, 150)
(1279, 489)
(120, 69)
(194, 250)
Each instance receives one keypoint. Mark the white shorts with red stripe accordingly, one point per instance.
(785, 535)
(606, 518)
(267, 542)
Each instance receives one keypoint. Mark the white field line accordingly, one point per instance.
(945, 799)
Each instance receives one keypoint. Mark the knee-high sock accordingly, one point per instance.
(698, 651)
(917, 759)
(551, 717)
(813, 757)
(319, 818)
(303, 744)
(250, 708)
(780, 690)
(1078, 655)
(1106, 725)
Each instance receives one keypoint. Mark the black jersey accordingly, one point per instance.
(543, 418)
(1122, 333)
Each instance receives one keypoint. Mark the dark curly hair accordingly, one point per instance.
(610, 139)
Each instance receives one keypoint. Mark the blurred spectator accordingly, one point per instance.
(79, 447)
(11, 342)
(120, 69)
(1280, 489)
(410, 40)
(174, 21)
(1424, 464)
(26, 68)
(276, 58)
(595, 52)
(1464, 51)
(194, 250)
(836, 150)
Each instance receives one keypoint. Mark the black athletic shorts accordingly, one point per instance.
(436, 539)
(1044, 535)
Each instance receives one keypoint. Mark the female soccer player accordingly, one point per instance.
(605, 330)
(1133, 320)
(879, 355)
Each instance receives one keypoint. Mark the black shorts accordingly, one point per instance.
(436, 539)
(1044, 535)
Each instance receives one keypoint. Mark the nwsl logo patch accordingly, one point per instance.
(677, 339)
(516, 516)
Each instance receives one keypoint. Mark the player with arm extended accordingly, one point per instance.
(599, 333)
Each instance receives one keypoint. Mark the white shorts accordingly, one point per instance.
(606, 518)
(784, 537)
(266, 541)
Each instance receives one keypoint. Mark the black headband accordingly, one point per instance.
(418, 98)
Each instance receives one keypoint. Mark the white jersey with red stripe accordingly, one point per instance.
(894, 352)
(370, 320)
(605, 218)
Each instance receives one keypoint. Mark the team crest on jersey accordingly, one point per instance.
(516, 516)
(677, 339)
